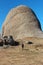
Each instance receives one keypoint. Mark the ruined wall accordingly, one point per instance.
(22, 22)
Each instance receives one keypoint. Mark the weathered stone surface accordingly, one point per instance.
(22, 22)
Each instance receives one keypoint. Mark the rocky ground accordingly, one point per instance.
(32, 54)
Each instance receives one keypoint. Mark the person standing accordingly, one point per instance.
(22, 46)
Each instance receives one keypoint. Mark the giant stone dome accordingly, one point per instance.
(22, 22)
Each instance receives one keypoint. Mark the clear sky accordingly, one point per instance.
(7, 5)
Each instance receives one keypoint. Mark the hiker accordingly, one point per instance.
(5, 42)
(22, 46)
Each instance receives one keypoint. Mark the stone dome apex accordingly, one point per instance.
(20, 9)
(17, 10)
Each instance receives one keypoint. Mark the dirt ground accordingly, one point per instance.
(17, 56)
(30, 55)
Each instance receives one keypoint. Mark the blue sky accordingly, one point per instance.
(7, 5)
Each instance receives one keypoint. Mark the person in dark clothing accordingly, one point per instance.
(22, 46)
(5, 42)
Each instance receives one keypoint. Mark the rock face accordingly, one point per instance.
(22, 22)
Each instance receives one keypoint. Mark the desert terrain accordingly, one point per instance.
(22, 23)
(32, 54)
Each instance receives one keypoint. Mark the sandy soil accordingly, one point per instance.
(30, 55)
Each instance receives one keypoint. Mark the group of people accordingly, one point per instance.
(9, 41)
